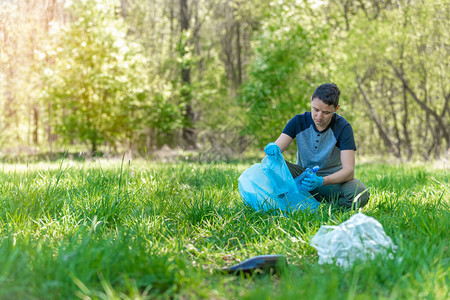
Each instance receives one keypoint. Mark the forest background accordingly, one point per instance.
(220, 77)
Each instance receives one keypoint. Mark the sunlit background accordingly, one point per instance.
(219, 77)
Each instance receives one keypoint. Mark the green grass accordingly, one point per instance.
(107, 229)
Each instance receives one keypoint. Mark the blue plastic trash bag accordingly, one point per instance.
(269, 185)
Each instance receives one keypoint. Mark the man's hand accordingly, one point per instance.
(272, 149)
(311, 181)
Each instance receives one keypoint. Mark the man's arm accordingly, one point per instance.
(346, 173)
(283, 141)
(279, 146)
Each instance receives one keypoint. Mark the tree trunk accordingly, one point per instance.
(405, 107)
(399, 141)
(423, 104)
(238, 54)
(196, 42)
(384, 136)
(36, 125)
(405, 124)
(94, 146)
(49, 127)
(227, 48)
(186, 93)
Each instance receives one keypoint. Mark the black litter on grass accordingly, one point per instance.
(263, 264)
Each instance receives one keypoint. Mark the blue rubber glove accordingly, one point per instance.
(298, 180)
(311, 181)
(272, 149)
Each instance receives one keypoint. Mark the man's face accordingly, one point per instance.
(322, 113)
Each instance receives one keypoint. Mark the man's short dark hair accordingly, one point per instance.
(327, 93)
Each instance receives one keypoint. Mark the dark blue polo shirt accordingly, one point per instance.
(321, 149)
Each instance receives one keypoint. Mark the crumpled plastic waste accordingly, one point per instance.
(359, 238)
(269, 185)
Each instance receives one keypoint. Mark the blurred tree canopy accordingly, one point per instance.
(96, 81)
(221, 76)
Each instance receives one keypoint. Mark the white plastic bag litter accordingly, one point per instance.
(358, 238)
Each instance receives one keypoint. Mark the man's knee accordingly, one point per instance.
(355, 195)
(294, 169)
(362, 198)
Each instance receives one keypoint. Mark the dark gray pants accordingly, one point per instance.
(344, 194)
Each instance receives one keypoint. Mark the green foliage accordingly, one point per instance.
(386, 57)
(96, 81)
(184, 50)
(109, 229)
(378, 49)
(284, 73)
(166, 117)
(114, 73)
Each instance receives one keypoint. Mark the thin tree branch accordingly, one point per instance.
(422, 104)
(386, 139)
